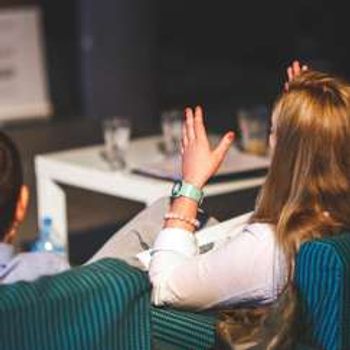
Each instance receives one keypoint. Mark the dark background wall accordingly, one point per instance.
(117, 55)
(61, 35)
(168, 54)
(101, 58)
(230, 53)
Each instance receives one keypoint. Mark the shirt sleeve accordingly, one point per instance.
(243, 270)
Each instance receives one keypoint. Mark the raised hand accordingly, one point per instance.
(199, 160)
(293, 71)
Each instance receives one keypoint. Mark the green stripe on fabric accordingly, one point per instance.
(191, 318)
(323, 275)
(84, 308)
(184, 329)
(343, 246)
(203, 333)
(60, 293)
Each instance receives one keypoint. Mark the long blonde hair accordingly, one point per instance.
(307, 190)
(306, 194)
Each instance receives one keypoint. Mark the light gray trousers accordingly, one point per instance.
(138, 234)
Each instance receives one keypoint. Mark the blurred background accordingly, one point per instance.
(138, 58)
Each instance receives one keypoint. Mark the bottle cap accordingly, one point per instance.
(47, 221)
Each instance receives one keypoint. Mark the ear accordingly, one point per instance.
(22, 204)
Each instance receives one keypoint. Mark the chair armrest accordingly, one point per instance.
(180, 329)
(104, 305)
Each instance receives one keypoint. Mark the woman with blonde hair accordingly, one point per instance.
(249, 272)
(306, 195)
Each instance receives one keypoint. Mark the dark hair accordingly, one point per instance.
(11, 180)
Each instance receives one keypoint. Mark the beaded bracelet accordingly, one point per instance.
(175, 216)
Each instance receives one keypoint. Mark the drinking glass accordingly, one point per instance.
(116, 132)
(254, 126)
(171, 127)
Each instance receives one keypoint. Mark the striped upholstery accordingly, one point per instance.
(323, 280)
(104, 305)
(182, 330)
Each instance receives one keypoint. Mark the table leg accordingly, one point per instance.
(52, 203)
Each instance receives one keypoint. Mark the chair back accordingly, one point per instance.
(323, 282)
(104, 305)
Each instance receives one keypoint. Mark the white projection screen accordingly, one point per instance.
(23, 81)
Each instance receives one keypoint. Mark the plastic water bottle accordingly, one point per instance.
(46, 240)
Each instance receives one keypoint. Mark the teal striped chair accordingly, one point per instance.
(106, 305)
(323, 281)
(175, 330)
(101, 306)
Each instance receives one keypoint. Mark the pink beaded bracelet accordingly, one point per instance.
(175, 216)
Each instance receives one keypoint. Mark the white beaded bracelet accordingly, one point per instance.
(175, 216)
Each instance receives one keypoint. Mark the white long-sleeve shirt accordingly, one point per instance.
(245, 266)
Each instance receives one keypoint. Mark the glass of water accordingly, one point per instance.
(171, 128)
(116, 132)
(254, 127)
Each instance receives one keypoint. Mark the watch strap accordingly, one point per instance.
(189, 191)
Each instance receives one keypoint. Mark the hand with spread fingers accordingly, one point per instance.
(199, 160)
(293, 71)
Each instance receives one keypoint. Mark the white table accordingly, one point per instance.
(85, 168)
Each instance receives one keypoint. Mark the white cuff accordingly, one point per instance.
(177, 240)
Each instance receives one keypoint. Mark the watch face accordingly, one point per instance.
(176, 188)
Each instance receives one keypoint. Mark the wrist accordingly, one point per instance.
(194, 182)
(185, 207)
(193, 222)
(187, 190)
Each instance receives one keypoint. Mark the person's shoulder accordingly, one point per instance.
(41, 256)
(260, 230)
(31, 265)
(43, 261)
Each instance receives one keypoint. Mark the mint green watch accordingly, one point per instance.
(185, 189)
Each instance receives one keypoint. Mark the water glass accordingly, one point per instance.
(254, 127)
(172, 130)
(117, 132)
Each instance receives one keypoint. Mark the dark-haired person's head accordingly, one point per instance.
(14, 195)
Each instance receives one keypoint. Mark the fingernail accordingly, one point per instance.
(230, 136)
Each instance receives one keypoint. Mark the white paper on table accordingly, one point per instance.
(236, 162)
